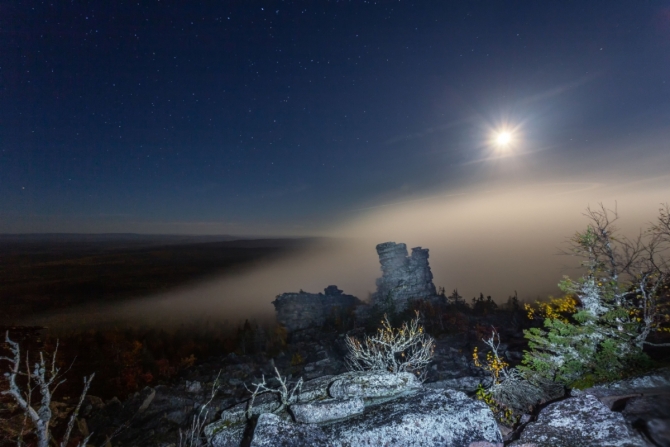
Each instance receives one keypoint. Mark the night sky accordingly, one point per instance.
(294, 118)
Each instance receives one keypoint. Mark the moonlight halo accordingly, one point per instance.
(503, 139)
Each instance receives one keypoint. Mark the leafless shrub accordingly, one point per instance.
(44, 378)
(407, 349)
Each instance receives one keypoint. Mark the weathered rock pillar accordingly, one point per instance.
(403, 277)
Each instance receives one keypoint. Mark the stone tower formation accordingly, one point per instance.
(403, 277)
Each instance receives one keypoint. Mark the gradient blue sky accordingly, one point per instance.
(278, 117)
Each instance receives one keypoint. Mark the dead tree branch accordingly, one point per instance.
(285, 393)
(45, 377)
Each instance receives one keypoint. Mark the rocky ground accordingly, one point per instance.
(632, 413)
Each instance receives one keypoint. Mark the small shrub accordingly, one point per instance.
(511, 393)
(556, 308)
(404, 349)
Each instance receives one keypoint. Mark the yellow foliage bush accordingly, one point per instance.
(494, 364)
(555, 309)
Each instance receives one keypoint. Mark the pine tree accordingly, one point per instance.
(618, 306)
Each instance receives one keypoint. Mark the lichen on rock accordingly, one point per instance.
(327, 410)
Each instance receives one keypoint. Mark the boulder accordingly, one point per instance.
(372, 384)
(643, 401)
(221, 435)
(655, 383)
(327, 410)
(581, 421)
(366, 408)
(425, 418)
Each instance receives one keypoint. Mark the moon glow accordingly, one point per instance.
(503, 139)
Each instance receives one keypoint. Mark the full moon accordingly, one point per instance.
(503, 138)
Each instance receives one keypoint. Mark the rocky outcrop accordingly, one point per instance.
(581, 421)
(403, 277)
(644, 402)
(302, 310)
(364, 408)
(424, 418)
(154, 416)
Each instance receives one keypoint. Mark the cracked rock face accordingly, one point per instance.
(403, 277)
(579, 421)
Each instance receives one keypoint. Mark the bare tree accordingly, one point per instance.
(404, 349)
(44, 378)
(623, 274)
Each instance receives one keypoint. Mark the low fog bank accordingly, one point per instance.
(247, 294)
(498, 241)
(494, 241)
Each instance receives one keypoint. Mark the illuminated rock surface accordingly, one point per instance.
(368, 408)
(579, 421)
(371, 384)
(425, 418)
(326, 410)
